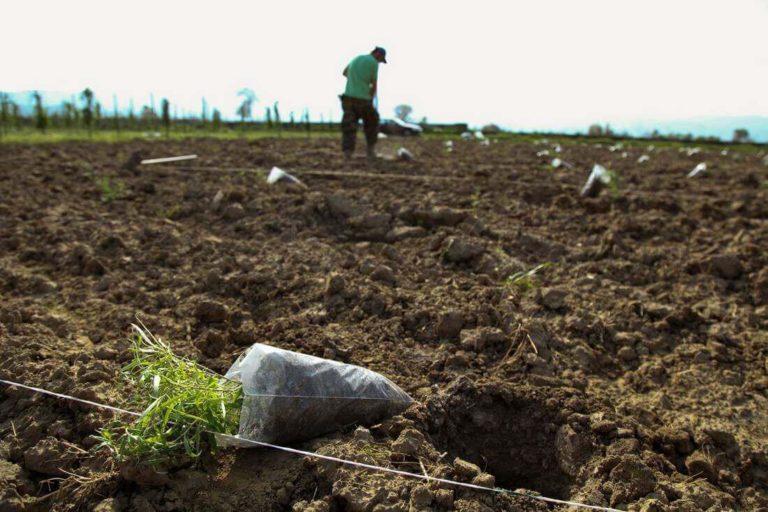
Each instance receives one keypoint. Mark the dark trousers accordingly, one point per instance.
(354, 110)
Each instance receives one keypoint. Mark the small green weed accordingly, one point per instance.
(614, 182)
(172, 212)
(182, 404)
(476, 198)
(526, 280)
(110, 190)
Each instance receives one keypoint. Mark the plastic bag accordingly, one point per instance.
(404, 154)
(277, 174)
(598, 178)
(291, 397)
(699, 170)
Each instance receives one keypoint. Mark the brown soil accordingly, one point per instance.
(634, 374)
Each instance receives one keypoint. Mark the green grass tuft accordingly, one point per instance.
(182, 402)
(526, 280)
(110, 189)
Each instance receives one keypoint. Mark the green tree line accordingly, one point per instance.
(83, 112)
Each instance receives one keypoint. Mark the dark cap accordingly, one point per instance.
(383, 53)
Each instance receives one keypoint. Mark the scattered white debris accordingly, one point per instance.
(449, 145)
(543, 152)
(466, 136)
(382, 135)
(404, 154)
(624, 154)
(276, 174)
(409, 126)
(616, 147)
(691, 151)
(557, 148)
(486, 142)
(643, 158)
(168, 159)
(479, 135)
(724, 152)
(651, 148)
(699, 170)
(556, 163)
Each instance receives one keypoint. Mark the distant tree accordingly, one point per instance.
(403, 111)
(41, 114)
(216, 121)
(87, 96)
(204, 113)
(5, 113)
(165, 108)
(97, 115)
(115, 114)
(277, 114)
(131, 114)
(291, 120)
(69, 114)
(307, 124)
(245, 110)
(269, 118)
(148, 116)
(15, 115)
(740, 135)
(595, 130)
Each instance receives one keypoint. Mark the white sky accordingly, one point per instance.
(533, 63)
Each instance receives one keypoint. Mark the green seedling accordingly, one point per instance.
(526, 280)
(110, 190)
(172, 212)
(614, 183)
(183, 403)
(476, 198)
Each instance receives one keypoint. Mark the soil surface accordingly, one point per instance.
(631, 371)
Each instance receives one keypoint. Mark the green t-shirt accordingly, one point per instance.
(361, 72)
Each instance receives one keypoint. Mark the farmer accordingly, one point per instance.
(357, 101)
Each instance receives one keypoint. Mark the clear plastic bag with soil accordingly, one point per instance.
(291, 397)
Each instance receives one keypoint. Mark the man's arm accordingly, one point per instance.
(373, 88)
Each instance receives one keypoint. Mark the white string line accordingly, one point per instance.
(266, 395)
(329, 458)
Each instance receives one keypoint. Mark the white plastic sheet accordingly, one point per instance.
(291, 397)
(598, 178)
(699, 170)
(404, 154)
(277, 174)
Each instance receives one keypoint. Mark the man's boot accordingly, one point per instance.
(370, 152)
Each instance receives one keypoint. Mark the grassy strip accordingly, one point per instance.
(181, 400)
(29, 136)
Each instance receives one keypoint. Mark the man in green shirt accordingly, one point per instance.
(357, 101)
